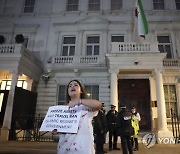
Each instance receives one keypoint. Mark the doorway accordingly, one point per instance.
(136, 92)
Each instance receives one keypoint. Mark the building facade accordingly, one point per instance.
(93, 41)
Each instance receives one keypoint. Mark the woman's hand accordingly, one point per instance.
(54, 132)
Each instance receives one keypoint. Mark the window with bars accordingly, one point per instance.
(158, 4)
(61, 94)
(94, 5)
(72, 5)
(92, 91)
(68, 48)
(29, 6)
(93, 44)
(116, 4)
(177, 4)
(117, 38)
(170, 99)
(165, 45)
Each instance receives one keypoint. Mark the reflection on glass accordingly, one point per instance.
(1, 100)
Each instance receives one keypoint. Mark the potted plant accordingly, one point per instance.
(2, 39)
(19, 38)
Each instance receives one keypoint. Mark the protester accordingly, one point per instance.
(83, 141)
(135, 123)
(125, 129)
(111, 120)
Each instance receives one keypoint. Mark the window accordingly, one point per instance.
(158, 4)
(9, 6)
(92, 45)
(72, 5)
(116, 4)
(94, 5)
(29, 6)
(68, 48)
(170, 99)
(26, 41)
(61, 94)
(6, 84)
(92, 91)
(177, 4)
(165, 45)
(1, 100)
(117, 38)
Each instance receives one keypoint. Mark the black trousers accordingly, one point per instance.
(112, 136)
(100, 143)
(126, 144)
(134, 140)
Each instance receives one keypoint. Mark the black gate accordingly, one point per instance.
(25, 124)
(175, 125)
(26, 128)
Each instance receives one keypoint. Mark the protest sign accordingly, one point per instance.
(62, 118)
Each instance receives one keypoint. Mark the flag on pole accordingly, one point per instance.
(142, 25)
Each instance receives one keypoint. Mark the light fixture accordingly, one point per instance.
(136, 62)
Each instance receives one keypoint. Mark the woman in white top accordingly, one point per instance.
(83, 141)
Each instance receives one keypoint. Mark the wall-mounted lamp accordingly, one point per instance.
(136, 62)
(76, 71)
(46, 76)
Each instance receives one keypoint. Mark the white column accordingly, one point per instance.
(114, 89)
(153, 103)
(152, 88)
(162, 121)
(9, 108)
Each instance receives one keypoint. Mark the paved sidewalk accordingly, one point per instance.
(18, 147)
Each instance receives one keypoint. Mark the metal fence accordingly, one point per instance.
(175, 125)
(26, 128)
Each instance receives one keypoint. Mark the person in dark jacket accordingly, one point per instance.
(125, 129)
(111, 120)
(100, 129)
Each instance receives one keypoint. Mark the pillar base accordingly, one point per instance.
(4, 134)
(163, 136)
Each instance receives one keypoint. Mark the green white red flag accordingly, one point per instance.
(142, 26)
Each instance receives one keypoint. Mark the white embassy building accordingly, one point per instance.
(91, 41)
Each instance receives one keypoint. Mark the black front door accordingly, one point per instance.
(136, 92)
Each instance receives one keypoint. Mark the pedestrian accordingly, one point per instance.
(83, 140)
(135, 123)
(111, 120)
(100, 129)
(125, 129)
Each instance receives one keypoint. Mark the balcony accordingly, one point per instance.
(129, 47)
(171, 63)
(76, 60)
(17, 50)
(17, 57)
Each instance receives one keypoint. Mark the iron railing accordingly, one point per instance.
(26, 128)
(175, 125)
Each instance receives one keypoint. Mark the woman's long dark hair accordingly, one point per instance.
(83, 94)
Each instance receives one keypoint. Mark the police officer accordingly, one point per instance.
(135, 123)
(100, 129)
(125, 129)
(111, 120)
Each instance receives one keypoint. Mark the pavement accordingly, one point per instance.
(25, 147)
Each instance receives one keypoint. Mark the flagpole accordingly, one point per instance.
(135, 31)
